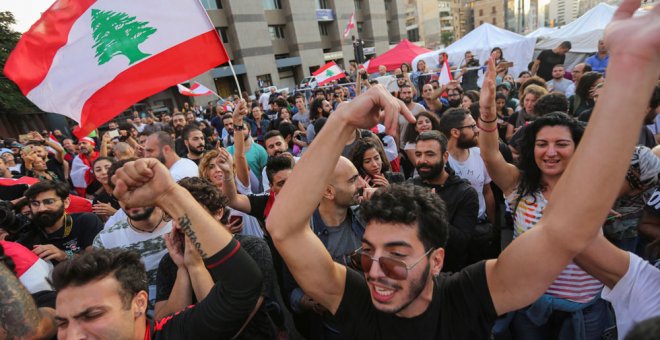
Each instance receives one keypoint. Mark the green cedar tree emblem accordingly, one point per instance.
(117, 33)
(329, 73)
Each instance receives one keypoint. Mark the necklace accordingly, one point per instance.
(130, 223)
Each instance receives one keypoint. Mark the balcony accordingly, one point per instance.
(324, 15)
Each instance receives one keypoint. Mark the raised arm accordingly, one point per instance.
(505, 175)
(288, 222)
(236, 201)
(238, 278)
(573, 217)
(242, 169)
(19, 317)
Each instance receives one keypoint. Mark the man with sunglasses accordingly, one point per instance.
(53, 234)
(400, 294)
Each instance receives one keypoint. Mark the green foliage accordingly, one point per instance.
(117, 33)
(11, 98)
(447, 38)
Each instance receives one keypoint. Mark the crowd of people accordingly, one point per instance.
(422, 211)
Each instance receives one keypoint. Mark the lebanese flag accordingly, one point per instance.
(195, 90)
(350, 26)
(328, 72)
(25, 180)
(91, 59)
(33, 272)
(445, 75)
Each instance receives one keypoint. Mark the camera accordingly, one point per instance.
(11, 221)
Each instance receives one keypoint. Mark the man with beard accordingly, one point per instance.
(465, 160)
(142, 230)
(406, 95)
(558, 83)
(461, 132)
(256, 154)
(454, 95)
(53, 234)
(70, 147)
(227, 130)
(195, 142)
(161, 146)
(337, 223)
(461, 200)
(178, 123)
(81, 168)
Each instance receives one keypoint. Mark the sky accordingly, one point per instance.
(26, 12)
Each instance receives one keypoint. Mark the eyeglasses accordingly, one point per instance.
(45, 202)
(392, 268)
(473, 127)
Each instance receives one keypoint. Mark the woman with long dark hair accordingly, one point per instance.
(583, 99)
(546, 149)
(369, 158)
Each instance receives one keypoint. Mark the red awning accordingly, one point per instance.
(404, 52)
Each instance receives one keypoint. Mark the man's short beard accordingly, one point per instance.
(196, 151)
(407, 100)
(85, 151)
(46, 219)
(142, 216)
(436, 171)
(454, 102)
(464, 143)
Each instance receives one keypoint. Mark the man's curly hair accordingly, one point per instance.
(205, 193)
(410, 204)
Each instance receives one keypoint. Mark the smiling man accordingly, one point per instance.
(401, 251)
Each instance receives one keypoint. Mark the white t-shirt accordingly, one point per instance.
(251, 225)
(474, 170)
(150, 246)
(636, 297)
(264, 99)
(184, 168)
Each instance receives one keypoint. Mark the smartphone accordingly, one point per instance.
(363, 76)
(113, 133)
(234, 218)
(506, 64)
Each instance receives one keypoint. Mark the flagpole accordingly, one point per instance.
(231, 66)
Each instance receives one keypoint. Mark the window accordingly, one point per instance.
(413, 34)
(222, 32)
(264, 80)
(494, 21)
(322, 4)
(481, 22)
(276, 32)
(359, 27)
(494, 10)
(358, 4)
(211, 4)
(271, 4)
(481, 12)
(323, 29)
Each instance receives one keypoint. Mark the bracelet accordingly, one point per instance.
(488, 121)
(486, 130)
(69, 255)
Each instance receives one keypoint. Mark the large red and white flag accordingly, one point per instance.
(195, 90)
(350, 26)
(91, 59)
(328, 72)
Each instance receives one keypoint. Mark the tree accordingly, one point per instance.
(117, 33)
(11, 98)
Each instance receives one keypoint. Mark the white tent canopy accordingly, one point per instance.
(515, 47)
(542, 32)
(583, 33)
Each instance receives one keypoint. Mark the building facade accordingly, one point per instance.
(562, 12)
(489, 11)
(279, 42)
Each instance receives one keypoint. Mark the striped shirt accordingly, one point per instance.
(573, 283)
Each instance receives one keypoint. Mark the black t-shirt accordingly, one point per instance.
(258, 207)
(548, 59)
(104, 197)
(260, 327)
(84, 228)
(461, 308)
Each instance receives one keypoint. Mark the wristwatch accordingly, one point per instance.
(239, 127)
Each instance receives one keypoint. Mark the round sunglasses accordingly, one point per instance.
(392, 268)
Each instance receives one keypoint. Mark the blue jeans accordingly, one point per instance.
(597, 318)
